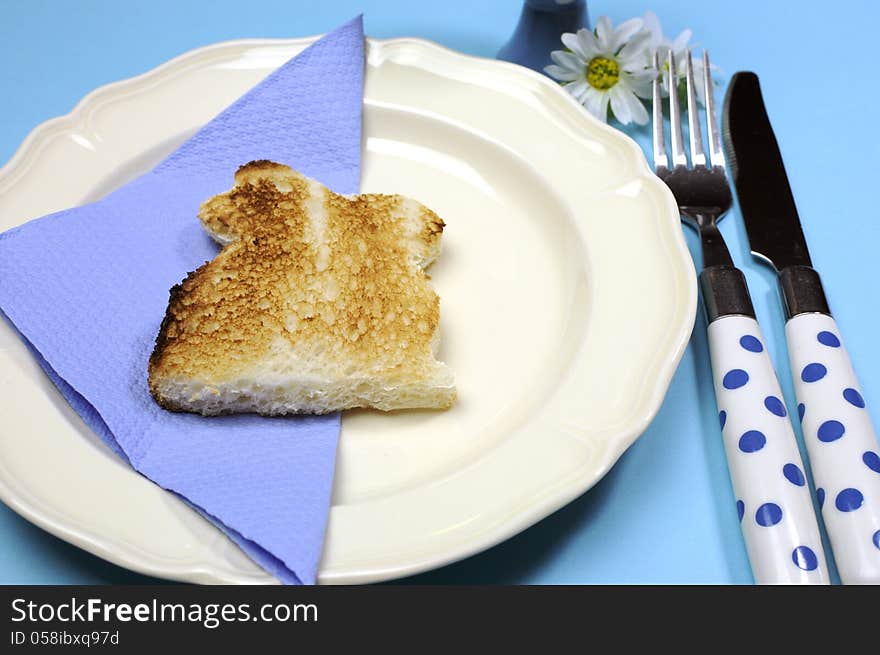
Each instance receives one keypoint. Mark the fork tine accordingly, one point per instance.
(679, 158)
(660, 158)
(698, 155)
(715, 150)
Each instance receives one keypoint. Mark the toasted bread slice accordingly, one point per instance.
(317, 302)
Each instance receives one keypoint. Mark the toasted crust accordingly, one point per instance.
(313, 294)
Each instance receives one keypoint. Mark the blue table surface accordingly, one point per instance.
(665, 513)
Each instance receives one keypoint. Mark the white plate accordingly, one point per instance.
(567, 298)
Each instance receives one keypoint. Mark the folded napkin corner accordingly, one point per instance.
(87, 288)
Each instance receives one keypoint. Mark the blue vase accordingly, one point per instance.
(540, 25)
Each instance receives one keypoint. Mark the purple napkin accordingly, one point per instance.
(88, 287)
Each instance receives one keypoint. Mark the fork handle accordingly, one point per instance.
(841, 444)
(724, 289)
(772, 496)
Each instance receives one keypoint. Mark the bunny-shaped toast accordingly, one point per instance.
(317, 302)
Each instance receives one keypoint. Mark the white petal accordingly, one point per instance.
(571, 41)
(578, 89)
(596, 102)
(561, 74)
(639, 113)
(567, 60)
(680, 42)
(604, 34)
(588, 43)
(652, 24)
(619, 107)
(620, 111)
(637, 48)
(640, 74)
(639, 82)
(680, 56)
(624, 32)
(626, 107)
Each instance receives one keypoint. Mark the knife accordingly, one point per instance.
(838, 433)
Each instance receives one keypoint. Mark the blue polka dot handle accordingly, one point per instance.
(841, 444)
(772, 496)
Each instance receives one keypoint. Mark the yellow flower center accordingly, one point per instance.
(602, 73)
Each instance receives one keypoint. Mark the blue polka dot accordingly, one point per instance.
(828, 339)
(740, 509)
(793, 474)
(775, 406)
(804, 558)
(877, 539)
(750, 343)
(853, 397)
(722, 418)
(831, 431)
(752, 441)
(768, 514)
(802, 409)
(849, 500)
(813, 372)
(872, 461)
(735, 379)
(820, 496)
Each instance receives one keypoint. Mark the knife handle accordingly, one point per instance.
(773, 499)
(841, 444)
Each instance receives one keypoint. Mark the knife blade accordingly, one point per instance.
(838, 432)
(765, 198)
(768, 206)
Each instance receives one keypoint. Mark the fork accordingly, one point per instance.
(773, 499)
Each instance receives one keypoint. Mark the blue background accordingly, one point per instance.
(665, 513)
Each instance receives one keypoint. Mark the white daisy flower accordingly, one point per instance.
(679, 46)
(607, 68)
